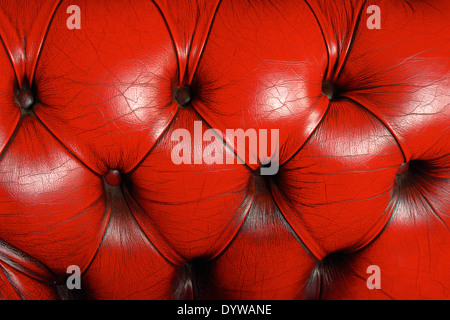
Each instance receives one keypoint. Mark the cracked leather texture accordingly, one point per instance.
(87, 178)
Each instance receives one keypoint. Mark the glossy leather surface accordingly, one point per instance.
(86, 170)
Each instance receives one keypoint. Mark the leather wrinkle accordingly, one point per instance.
(11, 139)
(205, 41)
(195, 274)
(127, 200)
(45, 36)
(5, 19)
(12, 283)
(335, 71)
(262, 186)
(351, 41)
(224, 143)
(65, 147)
(249, 194)
(193, 279)
(170, 33)
(184, 78)
(319, 123)
(385, 124)
(113, 194)
(19, 254)
(413, 181)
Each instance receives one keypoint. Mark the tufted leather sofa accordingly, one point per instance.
(357, 208)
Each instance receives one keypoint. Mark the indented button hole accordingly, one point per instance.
(184, 95)
(404, 167)
(25, 95)
(333, 267)
(199, 265)
(413, 168)
(261, 182)
(331, 90)
(193, 279)
(25, 98)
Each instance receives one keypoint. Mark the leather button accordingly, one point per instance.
(183, 96)
(330, 90)
(403, 169)
(113, 177)
(25, 98)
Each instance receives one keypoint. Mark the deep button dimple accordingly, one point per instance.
(262, 182)
(113, 177)
(184, 95)
(25, 98)
(330, 90)
(193, 279)
(328, 273)
(404, 168)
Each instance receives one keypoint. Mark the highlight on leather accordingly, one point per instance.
(224, 149)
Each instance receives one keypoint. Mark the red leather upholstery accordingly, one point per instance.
(87, 178)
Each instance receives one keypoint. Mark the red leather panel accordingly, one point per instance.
(115, 156)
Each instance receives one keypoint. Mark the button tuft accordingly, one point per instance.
(183, 96)
(25, 98)
(113, 177)
(330, 90)
(404, 168)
